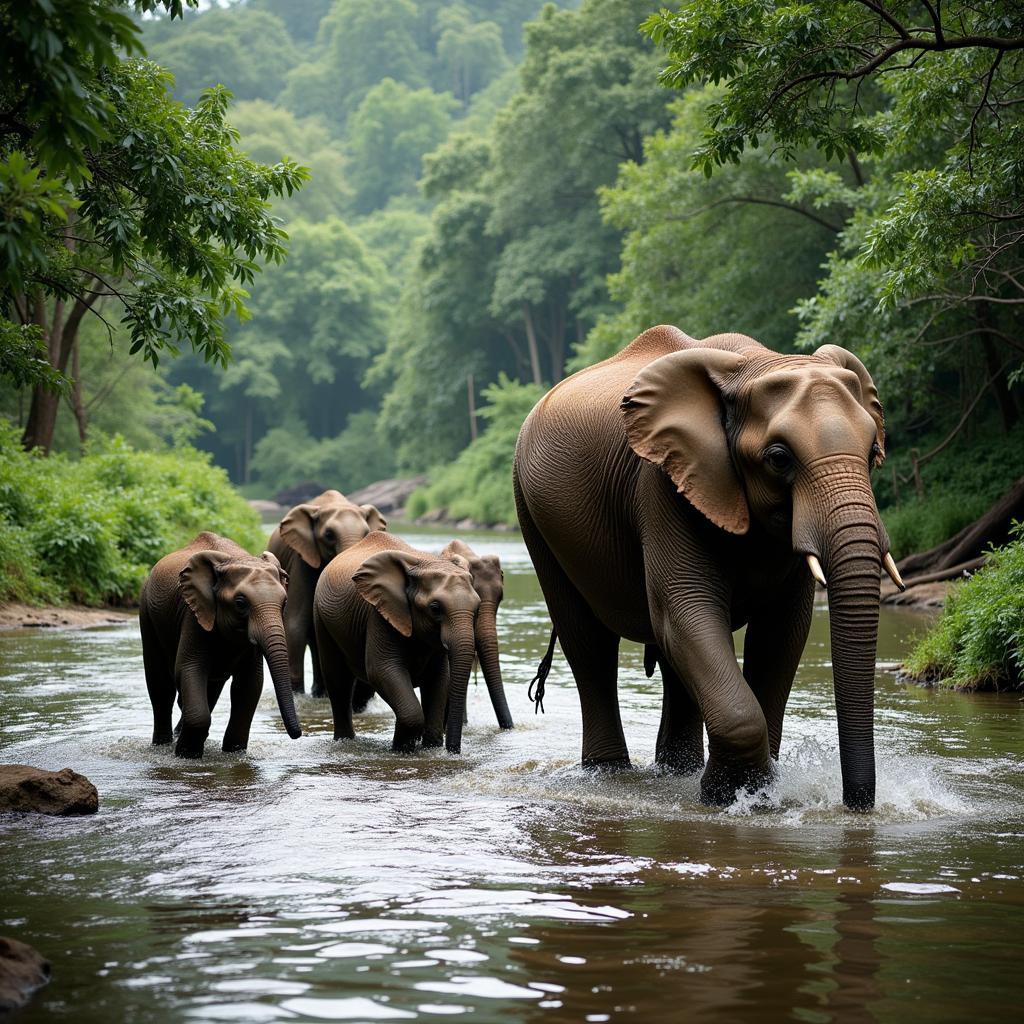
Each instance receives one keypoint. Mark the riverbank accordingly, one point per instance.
(76, 616)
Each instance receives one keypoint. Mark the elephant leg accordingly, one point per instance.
(246, 687)
(776, 635)
(297, 630)
(434, 694)
(680, 746)
(388, 674)
(361, 695)
(338, 682)
(591, 650)
(159, 681)
(192, 683)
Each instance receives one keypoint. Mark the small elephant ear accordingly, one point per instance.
(297, 531)
(458, 547)
(673, 418)
(374, 520)
(869, 393)
(382, 580)
(197, 582)
(269, 556)
(461, 562)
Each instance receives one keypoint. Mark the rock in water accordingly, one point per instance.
(32, 790)
(22, 971)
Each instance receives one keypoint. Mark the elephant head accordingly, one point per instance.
(785, 443)
(328, 525)
(488, 582)
(230, 594)
(432, 600)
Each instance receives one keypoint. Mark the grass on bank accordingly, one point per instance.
(978, 641)
(89, 529)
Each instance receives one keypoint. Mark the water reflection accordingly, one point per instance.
(323, 881)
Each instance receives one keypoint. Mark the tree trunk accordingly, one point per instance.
(996, 372)
(531, 341)
(76, 396)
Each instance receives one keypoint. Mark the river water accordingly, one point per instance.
(313, 881)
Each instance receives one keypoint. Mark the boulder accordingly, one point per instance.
(299, 494)
(389, 496)
(267, 510)
(22, 971)
(28, 790)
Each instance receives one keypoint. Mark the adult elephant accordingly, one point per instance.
(398, 618)
(684, 488)
(308, 537)
(208, 612)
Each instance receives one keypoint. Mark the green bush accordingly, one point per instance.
(89, 529)
(478, 484)
(978, 642)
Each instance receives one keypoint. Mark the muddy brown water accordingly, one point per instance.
(314, 881)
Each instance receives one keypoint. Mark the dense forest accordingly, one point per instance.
(477, 197)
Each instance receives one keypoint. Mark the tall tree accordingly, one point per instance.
(925, 103)
(112, 190)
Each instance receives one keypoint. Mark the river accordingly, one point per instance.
(313, 881)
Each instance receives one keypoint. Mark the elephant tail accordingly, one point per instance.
(540, 678)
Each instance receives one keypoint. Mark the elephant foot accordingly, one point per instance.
(298, 687)
(233, 746)
(679, 762)
(343, 734)
(432, 740)
(609, 766)
(188, 753)
(162, 739)
(318, 690)
(719, 785)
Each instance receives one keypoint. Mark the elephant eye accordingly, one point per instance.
(241, 603)
(329, 534)
(778, 459)
(434, 607)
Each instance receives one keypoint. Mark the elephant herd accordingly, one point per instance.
(379, 616)
(669, 495)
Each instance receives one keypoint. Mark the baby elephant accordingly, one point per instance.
(398, 618)
(488, 582)
(209, 611)
(308, 537)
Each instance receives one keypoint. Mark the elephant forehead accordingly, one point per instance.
(444, 577)
(236, 575)
(807, 390)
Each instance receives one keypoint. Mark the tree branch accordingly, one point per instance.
(755, 200)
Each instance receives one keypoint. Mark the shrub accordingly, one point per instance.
(90, 529)
(978, 642)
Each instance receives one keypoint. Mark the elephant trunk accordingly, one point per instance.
(487, 652)
(460, 642)
(266, 630)
(840, 525)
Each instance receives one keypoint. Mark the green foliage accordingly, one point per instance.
(388, 135)
(731, 254)
(288, 455)
(250, 49)
(978, 642)
(361, 42)
(478, 484)
(89, 530)
(111, 189)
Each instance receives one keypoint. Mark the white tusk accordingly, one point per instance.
(894, 573)
(816, 572)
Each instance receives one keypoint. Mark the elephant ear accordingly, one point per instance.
(269, 556)
(383, 581)
(374, 520)
(674, 418)
(197, 582)
(298, 532)
(868, 391)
